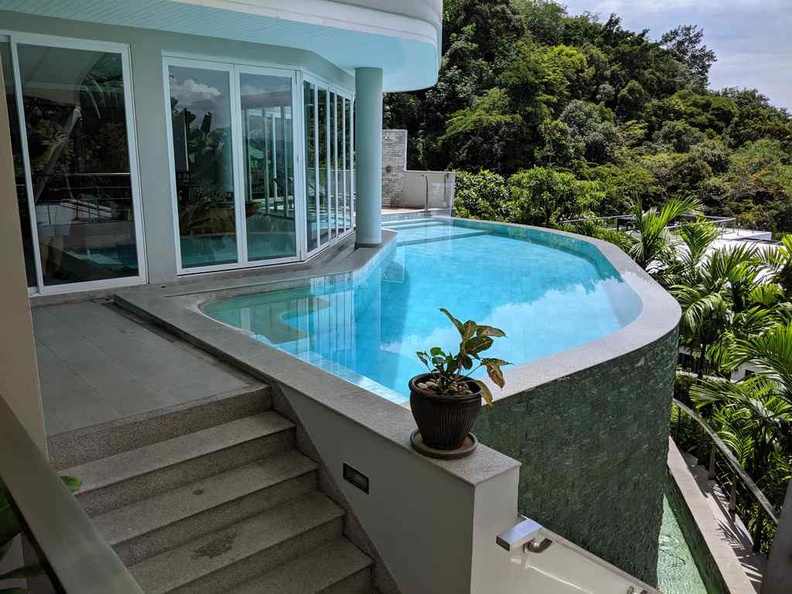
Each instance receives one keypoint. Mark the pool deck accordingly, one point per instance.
(98, 363)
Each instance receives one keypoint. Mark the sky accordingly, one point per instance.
(752, 38)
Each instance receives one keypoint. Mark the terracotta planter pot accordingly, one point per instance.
(444, 421)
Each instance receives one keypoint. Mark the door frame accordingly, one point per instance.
(14, 38)
(233, 71)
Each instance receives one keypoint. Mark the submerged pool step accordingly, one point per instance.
(414, 223)
(407, 240)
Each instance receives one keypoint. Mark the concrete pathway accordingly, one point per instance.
(728, 540)
(98, 363)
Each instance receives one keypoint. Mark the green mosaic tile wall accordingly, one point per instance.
(593, 447)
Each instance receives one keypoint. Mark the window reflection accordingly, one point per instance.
(203, 159)
(269, 168)
(311, 185)
(75, 115)
(324, 160)
(347, 165)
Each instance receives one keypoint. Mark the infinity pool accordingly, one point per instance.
(547, 291)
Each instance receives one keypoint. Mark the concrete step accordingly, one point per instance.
(153, 525)
(73, 448)
(413, 223)
(220, 561)
(133, 475)
(337, 567)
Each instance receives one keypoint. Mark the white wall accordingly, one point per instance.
(19, 382)
(435, 530)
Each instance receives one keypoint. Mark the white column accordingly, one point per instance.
(368, 148)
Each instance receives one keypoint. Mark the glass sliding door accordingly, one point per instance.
(323, 141)
(347, 165)
(335, 134)
(19, 168)
(329, 168)
(200, 109)
(311, 168)
(79, 181)
(268, 164)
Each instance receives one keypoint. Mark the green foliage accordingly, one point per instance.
(686, 43)
(655, 244)
(451, 372)
(481, 195)
(523, 84)
(544, 196)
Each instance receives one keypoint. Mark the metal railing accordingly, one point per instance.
(692, 433)
(626, 222)
(75, 555)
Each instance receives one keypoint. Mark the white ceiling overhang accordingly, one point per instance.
(400, 36)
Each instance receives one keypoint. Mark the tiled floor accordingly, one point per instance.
(97, 363)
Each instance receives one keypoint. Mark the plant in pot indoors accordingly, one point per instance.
(446, 400)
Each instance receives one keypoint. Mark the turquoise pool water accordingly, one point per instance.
(548, 292)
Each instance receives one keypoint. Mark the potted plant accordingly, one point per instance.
(446, 400)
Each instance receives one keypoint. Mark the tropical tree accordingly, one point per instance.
(760, 403)
(696, 238)
(721, 296)
(654, 244)
(778, 263)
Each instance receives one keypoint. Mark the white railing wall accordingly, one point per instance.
(428, 189)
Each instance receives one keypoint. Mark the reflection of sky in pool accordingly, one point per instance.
(547, 292)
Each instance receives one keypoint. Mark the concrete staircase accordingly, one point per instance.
(214, 497)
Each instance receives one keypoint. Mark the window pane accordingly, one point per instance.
(77, 140)
(338, 135)
(19, 171)
(311, 219)
(352, 160)
(347, 165)
(202, 154)
(324, 189)
(269, 183)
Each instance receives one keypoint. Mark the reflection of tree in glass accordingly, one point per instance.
(205, 206)
(85, 135)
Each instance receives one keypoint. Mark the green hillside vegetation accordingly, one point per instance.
(549, 116)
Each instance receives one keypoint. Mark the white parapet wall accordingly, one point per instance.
(406, 188)
(428, 189)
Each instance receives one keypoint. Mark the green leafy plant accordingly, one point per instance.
(10, 528)
(451, 373)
